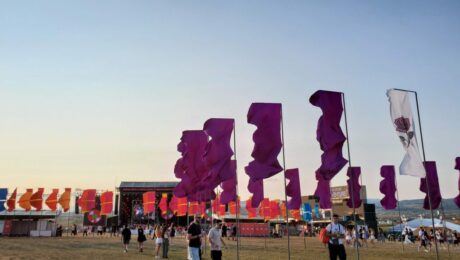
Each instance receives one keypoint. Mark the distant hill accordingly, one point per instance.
(414, 208)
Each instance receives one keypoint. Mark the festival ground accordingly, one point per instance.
(251, 248)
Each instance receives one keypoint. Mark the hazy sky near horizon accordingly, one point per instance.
(97, 92)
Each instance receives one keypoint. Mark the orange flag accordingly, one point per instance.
(193, 208)
(234, 206)
(36, 200)
(252, 212)
(182, 206)
(11, 202)
(64, 200)
(274, 209)
(264, 209)
(295, 214)
(163, 205)
(51, 201)
(283, 209)
(24, 200)
(106, 203)
(87, 201)
(149, 202)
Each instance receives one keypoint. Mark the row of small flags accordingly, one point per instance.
(269, 209)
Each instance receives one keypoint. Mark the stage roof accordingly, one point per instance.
(148, 184)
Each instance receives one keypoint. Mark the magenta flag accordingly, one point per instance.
(457, 167)
(256, 187)
(331, 139)
(229, 186)
(353, 174)
(218, 151)
(293, 189)
(388, 187)
(191, 168)
(323, 190)
(432, 179)
(267, 145)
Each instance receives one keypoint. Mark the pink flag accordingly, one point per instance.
(331, 139)
(432, 179)
(267, 145)
(293, 189)
(457, 167)
(388, 187)
(256, 187)
(229, 186)
(354, 187)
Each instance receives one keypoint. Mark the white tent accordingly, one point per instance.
(426, 222)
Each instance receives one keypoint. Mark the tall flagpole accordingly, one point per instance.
(285, 191)
(238, 230)
(351, 177)
(424, 160)
(399, 209)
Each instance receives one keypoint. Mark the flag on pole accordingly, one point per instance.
(354, 188)
(36, 200)
(163, 205)
(11, 202)
(295, 214)
(64, 200)
(51, 201)
(432, 179)
(229, 186)
(401, 117)
(275, 210)
(24, 200)
(264, 209)
(106, 203)
(87, 201)
(148, 201)
(331, 139)
(252, 212)
(181, 206)
(388, 187)
(3, 193)
(293, 189)
(307, 214)
(267, 145)
(457, 167)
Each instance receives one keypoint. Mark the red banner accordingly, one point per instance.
(36, 200)
(149, 202)
(87, 201)
(51, 201)
(106, 203)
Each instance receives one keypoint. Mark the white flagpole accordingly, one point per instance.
(238, 230)
(351, 177)
(285, 189)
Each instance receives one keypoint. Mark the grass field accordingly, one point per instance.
(251, 248)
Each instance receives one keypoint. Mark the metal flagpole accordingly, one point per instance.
(399, 210)
(285, 191)
(424, 159)
(349, 165)
(238, 230)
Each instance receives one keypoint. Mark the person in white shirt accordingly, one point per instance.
(216, 241)
(336, 234)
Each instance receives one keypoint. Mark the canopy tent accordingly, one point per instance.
(426, 222)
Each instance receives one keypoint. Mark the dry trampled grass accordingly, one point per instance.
(250, 248)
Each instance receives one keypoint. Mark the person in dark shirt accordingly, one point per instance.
(224, 230)
(126, 236)
(194, 239)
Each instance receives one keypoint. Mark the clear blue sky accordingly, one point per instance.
(96, 92)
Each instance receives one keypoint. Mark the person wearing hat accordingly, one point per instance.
(336, 234)
(194, 239)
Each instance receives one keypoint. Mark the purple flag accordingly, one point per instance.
(353, 181)
(457, 167)
(432, 179)
(388, 187)
(323, 191)
(218, 151)
(331, 139)
(256, 187)
(191, 167)
(267, 145)
(293, 189)
(229, 186)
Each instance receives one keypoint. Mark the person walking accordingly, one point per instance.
(216, 241)
(165, 241)
(141, 238)
(194, 239)
(336, 234)
(126, 237)
(158, 241)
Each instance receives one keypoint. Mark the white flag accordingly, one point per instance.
(401, 117)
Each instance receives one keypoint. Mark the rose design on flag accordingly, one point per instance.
(403, 126)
